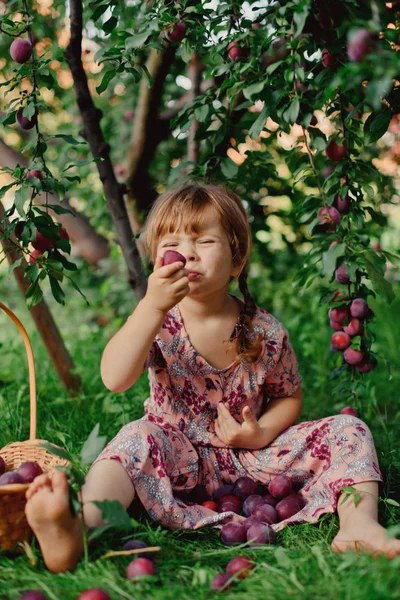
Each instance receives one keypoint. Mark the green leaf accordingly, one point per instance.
(57, 451)
(330, 257)
(377, 124)
(67, 138)
(33, 294)
(57, 290)
(253, 89)
(391, 502)
(229, 169)
(290, 115)
(259, 123)
(21, 197)
(108, 76)
(137, 41)
(114, 515)
(201, 113)
(93, 446)
(381, 286)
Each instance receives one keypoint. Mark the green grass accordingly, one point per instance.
(301, 565)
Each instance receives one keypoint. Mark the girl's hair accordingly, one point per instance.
(186, 206)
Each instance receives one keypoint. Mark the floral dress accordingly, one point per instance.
(175, 459)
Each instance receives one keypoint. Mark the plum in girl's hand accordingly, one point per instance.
(172, 256)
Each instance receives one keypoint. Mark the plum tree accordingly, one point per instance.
(359, 308)
(328, 60)
(367, 364)
(353, 328)
(329, 215)
(42, 243)
(336, 152)
(341, 274)
(342, 204)
(21, 50)
(23, 121)
(339, 314)
(34, 173)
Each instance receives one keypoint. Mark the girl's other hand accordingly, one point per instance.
(167, 285)
(249, 435)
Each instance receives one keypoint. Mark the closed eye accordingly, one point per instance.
(206, 241)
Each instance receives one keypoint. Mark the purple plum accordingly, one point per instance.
(139, 568)
(10, 477)
(289, 506)
(29, 470)
(94, 594)
(261, 533)
(220, 580)
(265, 513)
(280, 486)
(240, 565)
(244, 486)
(233, 534)
(136, 545)
(223, 490)
(250, 503)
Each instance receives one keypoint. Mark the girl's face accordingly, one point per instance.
(208, 255)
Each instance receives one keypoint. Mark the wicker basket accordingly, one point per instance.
(13, 524)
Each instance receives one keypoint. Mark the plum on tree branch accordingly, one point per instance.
(90, 244)
(41, 314)
(100, 149)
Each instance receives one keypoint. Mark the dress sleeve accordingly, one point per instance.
(285, 377)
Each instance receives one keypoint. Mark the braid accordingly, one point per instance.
(248, 348)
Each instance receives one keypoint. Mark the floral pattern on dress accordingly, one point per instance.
(173, 450)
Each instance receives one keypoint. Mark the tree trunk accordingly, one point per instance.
(43, 318)
(113, 191)
(91, 246)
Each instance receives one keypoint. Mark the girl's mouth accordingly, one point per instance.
(193, 275)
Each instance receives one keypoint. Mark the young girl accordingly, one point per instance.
(225, 394)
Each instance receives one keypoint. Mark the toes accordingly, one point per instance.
(59, 482)
(39, 482)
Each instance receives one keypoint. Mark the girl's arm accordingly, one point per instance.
(125, 354)
(280, 414)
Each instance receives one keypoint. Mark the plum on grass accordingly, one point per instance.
(2, 466)
(240, 566)
(280, 486)
(252, 520)
(171, 256)
(29, 470)
(289, 506)
(265, 513)
(244, 486)
(221, 580)
(250, 503)
(140, 567)
(32, 595)
(137, 545)
(233, 534)
(10, 477)
(261, 533)
(94, 594)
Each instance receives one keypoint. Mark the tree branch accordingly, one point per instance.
(100, 149)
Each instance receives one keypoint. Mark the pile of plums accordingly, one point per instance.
(261, 506)
(25, 473)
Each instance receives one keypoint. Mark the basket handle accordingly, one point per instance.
(31, 368)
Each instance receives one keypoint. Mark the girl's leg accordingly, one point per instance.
(359, 527)
(59, 533)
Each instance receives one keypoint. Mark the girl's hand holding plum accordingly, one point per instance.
(249, 435)
(167, 285)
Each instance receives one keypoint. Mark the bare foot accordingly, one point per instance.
(59, 533)
(366, 536)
